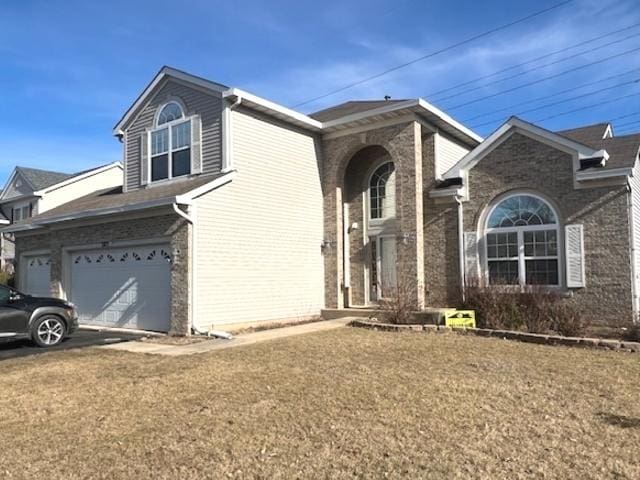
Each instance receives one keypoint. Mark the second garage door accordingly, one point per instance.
(123, 287)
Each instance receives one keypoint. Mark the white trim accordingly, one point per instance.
(455, 191)
(187, 198)
(194, 268)
(159, 109)
(410, 117)
(447, 119)
(604, 173)
(274, 109)
(483, 230)
(170, 150)
(514, 125)
(77, 178)
(160, 76)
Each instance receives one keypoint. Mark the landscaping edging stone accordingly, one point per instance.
(539, 338)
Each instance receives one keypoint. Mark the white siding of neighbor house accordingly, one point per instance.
(448, 153)
(258, 238)
(635, 232)
(110, 178)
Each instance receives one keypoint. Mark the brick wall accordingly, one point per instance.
(521, 163)
(177, 231)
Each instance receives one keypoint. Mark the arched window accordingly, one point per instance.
(170, 143)
(382, 192)
(170, 112)
(522, 238)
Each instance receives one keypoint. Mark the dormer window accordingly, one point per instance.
(170, 143)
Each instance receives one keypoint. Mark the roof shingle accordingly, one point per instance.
(349, 108)
(40, 179)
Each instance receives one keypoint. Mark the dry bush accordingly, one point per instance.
(568, 320)
(533, 309)
(6, 277)
(399, 304)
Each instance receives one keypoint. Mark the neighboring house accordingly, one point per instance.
(236, 210)
(29, 192)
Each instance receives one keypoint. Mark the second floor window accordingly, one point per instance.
(21, 213)
(170, 144)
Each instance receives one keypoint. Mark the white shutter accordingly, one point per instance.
(574, 253)
(470, 257)
(196, 143)
(144, 158)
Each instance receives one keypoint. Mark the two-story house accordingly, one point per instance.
(236, 210)
(30, 191)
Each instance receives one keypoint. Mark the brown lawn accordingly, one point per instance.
(343, 404)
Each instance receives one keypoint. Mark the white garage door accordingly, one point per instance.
(37, 275)
(123, 287)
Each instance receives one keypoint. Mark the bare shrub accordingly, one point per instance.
(6, 277)
(533, 309)
(568, 320)
(399, 302)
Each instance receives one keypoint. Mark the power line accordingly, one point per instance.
(626, 124)
(512, 67)
(524, 72)
(586, 107)
(544, 79)
(545, 97)
(433, 54)
(553, 104)
(625, 116)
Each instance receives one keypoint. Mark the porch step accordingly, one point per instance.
(433, 316)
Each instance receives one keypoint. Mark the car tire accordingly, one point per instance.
(48, 331)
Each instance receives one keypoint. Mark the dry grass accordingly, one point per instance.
(341, 404)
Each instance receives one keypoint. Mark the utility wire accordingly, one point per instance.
(546, 97)
(612, 100)
(627, 124)
(433, 54)
(553, 104)
(625, 116)
(544, 79)
(525, 72)
(512, 67)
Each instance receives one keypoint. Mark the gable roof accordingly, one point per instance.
(517, 124)
(349, 108)
(589, 134)
(39, 179)
(3, 219)
(163, 73)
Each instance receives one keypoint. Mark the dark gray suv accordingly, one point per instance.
(46, 321)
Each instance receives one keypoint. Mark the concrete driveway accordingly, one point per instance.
(80, 338)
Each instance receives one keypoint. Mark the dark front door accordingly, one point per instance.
(13, 318)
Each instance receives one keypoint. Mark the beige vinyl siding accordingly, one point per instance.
(448, 153)
(258, 238)
(197, 102)
(635, 232)
(110, 178)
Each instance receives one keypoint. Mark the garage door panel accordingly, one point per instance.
(124, 287)
(37, 275)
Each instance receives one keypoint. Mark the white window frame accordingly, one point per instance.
(522, 258)
(170, 151)
(19, 207)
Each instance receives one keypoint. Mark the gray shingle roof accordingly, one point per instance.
(115, 198)
(622, 150)
(40, 179)
(349, 108)
(588, 135)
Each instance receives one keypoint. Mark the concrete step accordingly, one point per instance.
(427, 316)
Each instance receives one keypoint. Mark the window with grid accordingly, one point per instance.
(170, 144)
(522, 242)
(382, 192)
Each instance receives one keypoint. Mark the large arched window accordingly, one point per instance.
(170, 143)
(522, 237)
(382, 192)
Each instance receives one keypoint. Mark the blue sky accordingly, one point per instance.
(71, 68)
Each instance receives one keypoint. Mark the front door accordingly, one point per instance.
(383, 272)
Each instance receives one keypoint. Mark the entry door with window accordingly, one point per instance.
(383, 267)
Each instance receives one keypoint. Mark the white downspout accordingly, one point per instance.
(634, 253)
(461, 247)
(194, 327)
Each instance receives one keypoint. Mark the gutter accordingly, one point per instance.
(633, 248)
(605, 173)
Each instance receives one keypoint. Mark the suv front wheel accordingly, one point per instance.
(48, 331)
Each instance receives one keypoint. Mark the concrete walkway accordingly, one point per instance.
(220, 344)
